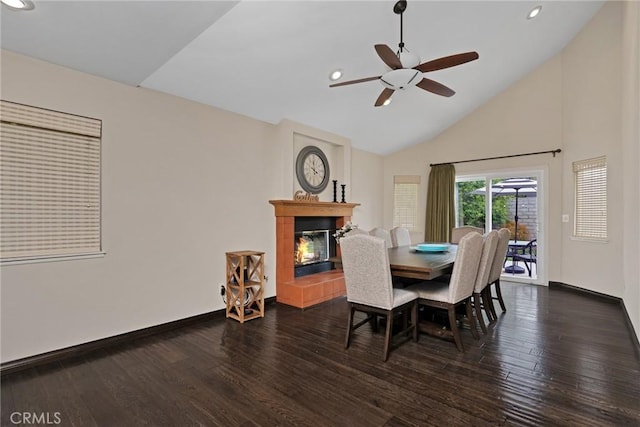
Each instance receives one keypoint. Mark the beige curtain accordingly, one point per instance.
(440, 203)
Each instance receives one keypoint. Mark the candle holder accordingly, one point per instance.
(343, 187)
(335, 191)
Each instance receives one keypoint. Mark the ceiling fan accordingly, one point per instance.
(406, 70)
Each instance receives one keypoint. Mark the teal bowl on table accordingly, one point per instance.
(432, 247)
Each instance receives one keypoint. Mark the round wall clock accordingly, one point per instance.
(312, 169)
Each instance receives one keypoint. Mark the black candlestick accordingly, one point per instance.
(335, 191)
(343, 187)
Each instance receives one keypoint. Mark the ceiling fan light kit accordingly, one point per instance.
(335, 75)
(401, 78)
(19, 4)
(406, 69)
(408, 59)
(534, 12)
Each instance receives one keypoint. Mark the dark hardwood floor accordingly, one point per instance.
(556, 357)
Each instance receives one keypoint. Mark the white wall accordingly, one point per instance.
(631, 159)
(591, 112)
(366, 183)
(182, 184)
(584, 101)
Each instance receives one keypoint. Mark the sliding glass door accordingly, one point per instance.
(506, 200)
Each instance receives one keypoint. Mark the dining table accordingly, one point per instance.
(408, 261)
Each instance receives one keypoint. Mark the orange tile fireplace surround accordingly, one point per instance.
(313, 289)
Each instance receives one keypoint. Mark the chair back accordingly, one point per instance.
(383, 234)
(459, 232)
(400, 237)
(486, 260)
(531, 248)
(367, 275)
(501, 252)
(465, 267)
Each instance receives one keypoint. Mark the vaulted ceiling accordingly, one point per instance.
(271, 60)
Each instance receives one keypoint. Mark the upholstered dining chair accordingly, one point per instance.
(496, 269)
(458, 291)
(459, 232)
(400, 237)
(382, 234)
(480, 297)
(367, 276)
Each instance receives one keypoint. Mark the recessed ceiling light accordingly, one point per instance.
(386, 102)
(335, 75)
(534, 12)
(18, 4)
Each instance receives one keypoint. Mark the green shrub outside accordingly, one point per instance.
(472, 210)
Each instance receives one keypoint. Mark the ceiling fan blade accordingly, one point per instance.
(386, 94)
(350, 82)
(435, 87)
(388, 56)
(447, 61)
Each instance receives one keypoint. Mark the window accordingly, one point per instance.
(405, 201)
(50, 183)
(591, 198)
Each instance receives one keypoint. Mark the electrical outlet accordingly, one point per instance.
(222, 290)
(565, 218)
(266, 278)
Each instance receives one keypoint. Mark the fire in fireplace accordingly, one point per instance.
(311, 247)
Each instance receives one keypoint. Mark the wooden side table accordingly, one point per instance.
(245, 285)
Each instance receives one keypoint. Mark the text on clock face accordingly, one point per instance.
(314, 169)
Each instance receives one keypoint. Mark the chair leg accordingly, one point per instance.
(478, 307)
(472, 320)
(499, 294)
(414, 320)
(487, 304)
(387, 336)
(374, 322)
(528, 265)
(492, 308)
(349, 326)
(454, 328)
(406, 318)
(534, 262)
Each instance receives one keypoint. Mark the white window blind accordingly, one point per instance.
(591, 198)
(405, 201)
(49, 183)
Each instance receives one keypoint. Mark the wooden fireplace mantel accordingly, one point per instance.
(304, 208)
(313, 289)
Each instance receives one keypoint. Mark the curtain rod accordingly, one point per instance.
(554, 152)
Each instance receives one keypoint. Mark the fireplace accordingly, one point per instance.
(313, 245)
(297, 283)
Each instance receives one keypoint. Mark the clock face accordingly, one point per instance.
(312, 169)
